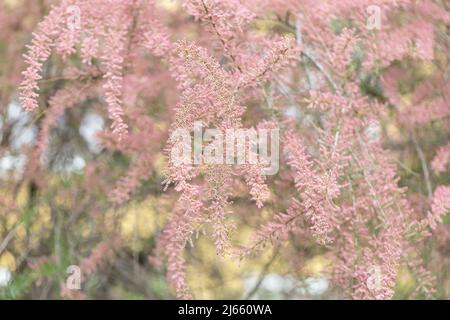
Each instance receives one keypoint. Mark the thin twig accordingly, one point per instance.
(8, 238)
(219, 35)
(321, 68)
(423, 161)
(262, 275)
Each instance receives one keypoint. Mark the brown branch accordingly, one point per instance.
(262, 275)
(423, 161)
(219, 35)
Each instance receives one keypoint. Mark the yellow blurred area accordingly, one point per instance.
(265, 26)
(10, 3)
(22, 196)
(160, 163)
(426, 69)
(138, 221)
(213, 277)
(318, 265)
(405, 280)
(7, 260)
(169, 5)
(393, 132)
(405, 101)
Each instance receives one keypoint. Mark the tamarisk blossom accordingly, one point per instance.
(97, 259)
(342, 51)
(226, 22)
(39, 51)
(415, 39)
(185, 222)
(275, 231)
(322, 177)
(114, 59)
(212, 102)
(425, 112)
(142, 161)
(210, 95)
(439, 206)
(441, 159)
(224, 17)
(107, 23)
(99, 255)
(315, 191)
(280, 54)
(58, 104)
